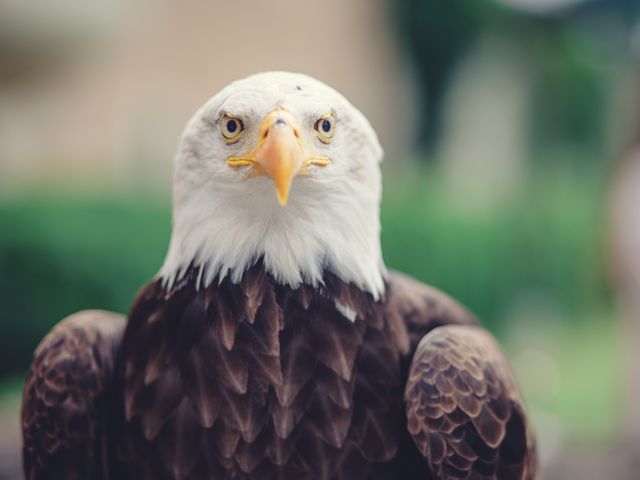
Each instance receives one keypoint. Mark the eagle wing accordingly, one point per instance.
(66, 398)
(464, 408)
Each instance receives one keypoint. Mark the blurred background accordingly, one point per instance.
(512, 173)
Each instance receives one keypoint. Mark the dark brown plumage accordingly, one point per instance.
(68, 398)
(258, 380)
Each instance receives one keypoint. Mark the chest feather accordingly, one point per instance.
(266, 377)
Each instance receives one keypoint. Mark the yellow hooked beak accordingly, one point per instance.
(280, 154)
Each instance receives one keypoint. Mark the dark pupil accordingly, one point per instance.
(232, 125)
(326, 126)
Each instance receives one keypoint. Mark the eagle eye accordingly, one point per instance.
(232, 128)
(325, 127)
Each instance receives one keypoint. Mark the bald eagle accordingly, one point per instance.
(273, 343)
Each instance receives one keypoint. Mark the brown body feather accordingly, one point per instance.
(68, 399)
(257, 380)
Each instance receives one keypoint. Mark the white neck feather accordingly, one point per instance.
(296, 243)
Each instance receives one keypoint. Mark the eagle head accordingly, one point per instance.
(280, 168)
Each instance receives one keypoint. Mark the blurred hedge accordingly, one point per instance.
(549, 241)
(60, 254)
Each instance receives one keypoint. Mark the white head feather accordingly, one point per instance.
(224, 221)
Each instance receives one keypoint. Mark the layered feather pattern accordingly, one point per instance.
(258, 380)
(277, 382)
(464, 408)
(67, 395)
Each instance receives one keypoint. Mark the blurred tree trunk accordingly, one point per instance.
(484, 149)
(437, 35)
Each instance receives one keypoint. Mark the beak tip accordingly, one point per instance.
(283, 189)
(282, 200)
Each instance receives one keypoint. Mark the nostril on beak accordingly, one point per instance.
(281, 122)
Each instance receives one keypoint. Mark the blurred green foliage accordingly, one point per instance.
(547, 240)
(590, 378)
(58, 256)
(569, 52)
(62, 254)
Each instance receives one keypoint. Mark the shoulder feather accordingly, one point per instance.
(64, 405)
(418, 308)
(464, 408)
